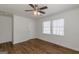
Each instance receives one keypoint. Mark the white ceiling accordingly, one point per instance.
(19, 9)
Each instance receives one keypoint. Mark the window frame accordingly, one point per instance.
(43, 27)
(59, 27)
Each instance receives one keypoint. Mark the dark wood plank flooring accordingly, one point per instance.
(35, 46)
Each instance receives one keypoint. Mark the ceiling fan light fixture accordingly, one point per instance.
(36, 13)
(37, 10)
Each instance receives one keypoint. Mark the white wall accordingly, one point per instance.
(5, 29)
(71, 36)
(23, 29)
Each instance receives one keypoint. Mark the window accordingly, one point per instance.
(58, 27)
(46, 27)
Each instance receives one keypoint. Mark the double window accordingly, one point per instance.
(55, 27)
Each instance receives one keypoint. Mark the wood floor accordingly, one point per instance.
(35, 46)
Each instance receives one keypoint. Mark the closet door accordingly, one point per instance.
(5, 29)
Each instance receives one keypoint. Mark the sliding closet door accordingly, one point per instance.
(5, 29)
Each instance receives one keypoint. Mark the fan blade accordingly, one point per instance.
(36, 5)
(42, 12)
(28, 10)
(45, 7)
(32, 5)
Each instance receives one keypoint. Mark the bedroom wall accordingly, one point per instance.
(71, 29)
(23, 29)
(5, 28)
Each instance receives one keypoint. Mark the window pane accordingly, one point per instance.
(58, 27)
(46, 27)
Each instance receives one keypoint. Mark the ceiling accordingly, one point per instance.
(11, 9)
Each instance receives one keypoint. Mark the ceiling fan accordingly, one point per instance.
(36, 10)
